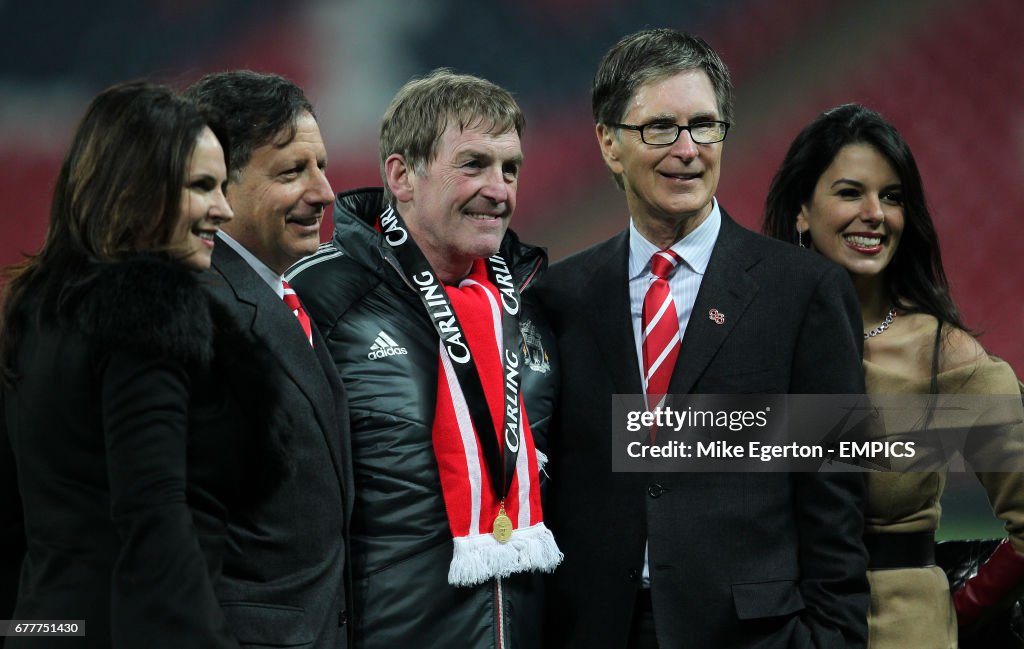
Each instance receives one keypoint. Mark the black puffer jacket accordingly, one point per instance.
(386, 350)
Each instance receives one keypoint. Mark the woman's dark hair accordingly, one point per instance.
(118, 193)
(915, 278)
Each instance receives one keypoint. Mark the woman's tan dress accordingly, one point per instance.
(912, 607)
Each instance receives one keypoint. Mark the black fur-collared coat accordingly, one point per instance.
(137, 425)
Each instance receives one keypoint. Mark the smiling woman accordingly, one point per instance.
(118, 404)
(855, 215)
(203, 205)
(850, 187)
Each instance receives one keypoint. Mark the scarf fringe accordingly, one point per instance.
(481, 557)
(542, 460)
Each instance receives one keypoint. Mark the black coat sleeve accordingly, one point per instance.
(162, 595)
(829, 506)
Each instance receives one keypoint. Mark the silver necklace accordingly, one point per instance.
(889, 317)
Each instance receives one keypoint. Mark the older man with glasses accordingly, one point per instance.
(685, 301)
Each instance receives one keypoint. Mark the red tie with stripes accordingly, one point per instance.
(291, 300)
(660, 329)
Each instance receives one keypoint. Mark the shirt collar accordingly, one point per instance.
(272, 279)
(694, 249)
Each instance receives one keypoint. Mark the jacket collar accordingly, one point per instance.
(726, 287)
(609, 313)
(355, 219)
(263, 314)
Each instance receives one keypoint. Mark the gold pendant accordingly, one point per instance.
(502, 526)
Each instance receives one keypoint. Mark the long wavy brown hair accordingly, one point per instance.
(118, 193)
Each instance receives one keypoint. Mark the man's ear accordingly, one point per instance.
(608, 140)
(397, 174)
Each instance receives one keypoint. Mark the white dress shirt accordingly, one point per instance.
(695, 251)
(273, 280)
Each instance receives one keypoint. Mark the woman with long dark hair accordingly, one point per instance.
(850, 190)
(131, 409)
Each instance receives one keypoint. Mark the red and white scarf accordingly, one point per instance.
(465, 481)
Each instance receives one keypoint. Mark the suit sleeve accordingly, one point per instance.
(161, 595)
(829, 506)
(12, 523)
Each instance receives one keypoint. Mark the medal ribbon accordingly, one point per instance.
(501, 461)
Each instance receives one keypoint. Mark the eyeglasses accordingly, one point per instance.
(664, 133)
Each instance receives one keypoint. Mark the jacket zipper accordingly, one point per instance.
(498, 595)
(401, 274)
(499, 610)
(532, 274)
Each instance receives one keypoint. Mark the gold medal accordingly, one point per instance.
(502, 526)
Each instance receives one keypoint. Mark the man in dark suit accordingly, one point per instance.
(285, 571)
(694, 559)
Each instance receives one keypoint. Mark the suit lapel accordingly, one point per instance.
(270, 321)
(607, 312)
(726, 288)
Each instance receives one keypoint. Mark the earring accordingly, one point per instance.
(800, 238)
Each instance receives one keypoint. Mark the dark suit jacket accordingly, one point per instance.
(739, 559)
(285, 572)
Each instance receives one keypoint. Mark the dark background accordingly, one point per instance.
(948, 73)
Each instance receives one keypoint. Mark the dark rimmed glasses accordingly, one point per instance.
(664, 133)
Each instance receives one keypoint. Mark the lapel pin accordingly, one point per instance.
(717, 316)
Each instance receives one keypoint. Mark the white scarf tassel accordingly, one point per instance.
(480, 557)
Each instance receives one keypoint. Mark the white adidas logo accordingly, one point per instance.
(384, 346)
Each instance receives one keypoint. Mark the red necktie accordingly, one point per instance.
(660, 329)
(291, 300)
